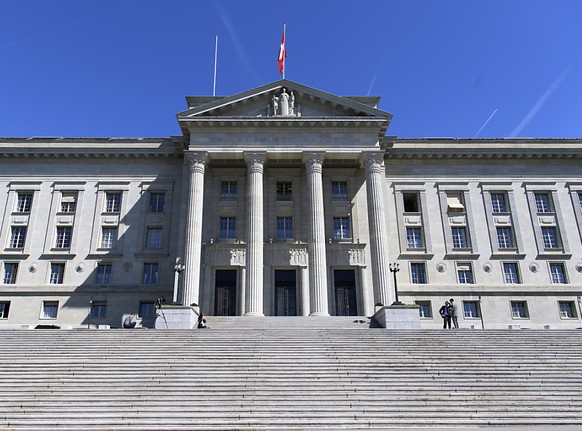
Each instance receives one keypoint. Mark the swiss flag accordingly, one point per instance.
(282, 54)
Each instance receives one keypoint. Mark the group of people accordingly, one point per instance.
(449, 313)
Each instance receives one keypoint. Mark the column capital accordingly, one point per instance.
(196, 161)
(373, 162)
(255, 161)
(313, 161)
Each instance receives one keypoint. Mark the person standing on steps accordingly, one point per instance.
(445, 312)
(454, 313)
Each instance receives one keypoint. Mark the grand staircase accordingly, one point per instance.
(289, 374)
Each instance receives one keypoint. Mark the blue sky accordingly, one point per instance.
(458, 68)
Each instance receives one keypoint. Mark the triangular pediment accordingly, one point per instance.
(282, 99)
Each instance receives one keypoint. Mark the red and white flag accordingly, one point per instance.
(282, 54)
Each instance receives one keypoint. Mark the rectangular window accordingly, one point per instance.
(4, 309)
(104, 273)
(68, 202)
(580, 199)
(418, 272)
(147, 310)
(98, 309)
(465, 273)
(112, 202)
(414, 237)
(341, 228)
(17, 237)
(57, 273)
(519, 310)
(459, 237)
(150, 273)
(504, 237)
(157, 200)
(498, 203)
(154, 238)
(425, 309)
(471, 309)
(50, 309)
(284, 227)
(543, 202)
(455, 202)
(227, 227)
(567, 310)
(109, 238)
(339, 191)
(558, 273)
(24, 202)
(550, 237)
(284, 190)
(10, 271)
(511, 273)
(64, 235)
(411, 202)
(228, 191)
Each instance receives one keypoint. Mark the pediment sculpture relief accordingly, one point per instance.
(283, 105)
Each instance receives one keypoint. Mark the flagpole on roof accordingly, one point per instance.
(285, 47)
(215, 57)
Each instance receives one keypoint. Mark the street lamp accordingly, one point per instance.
(178, 268)
(394, 268)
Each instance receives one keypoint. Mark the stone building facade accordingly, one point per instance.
(285, 200)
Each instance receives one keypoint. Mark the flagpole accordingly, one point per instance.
(215, 57)
(285, 38)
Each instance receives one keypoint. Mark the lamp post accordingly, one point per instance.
(178, 268)
(394, 268)
(480, 312)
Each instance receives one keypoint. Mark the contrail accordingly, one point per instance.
(539, 104)
(483, 126)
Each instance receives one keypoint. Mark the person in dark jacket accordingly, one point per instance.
(445, 312)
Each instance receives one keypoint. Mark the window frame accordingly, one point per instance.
(416, 276)
(68, 203)
(5, 309)
(227, 228)
(228, 191)
(63, 237)
(543, 202)
(24, 202)
(112, 202)
(505, 241)
(9, 277)
(557, 277)
(284, 191)
(109, 242)
(103, 273)
(459, 242)
(464, 268)
(154, 239)
(339, 191)
(471, 310)
(414, 238)
(17, 237)
(157, 202)
(342, 229)
(550, 237)
(424, 309)
(284, 228)
(151, 273)
(47, 306)
(101, 308)
(499, 206)
(517, 307)
(513, 275)
(572, 314)
(57, 273)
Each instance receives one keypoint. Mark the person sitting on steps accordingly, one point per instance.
(201, 321)
(130, 322)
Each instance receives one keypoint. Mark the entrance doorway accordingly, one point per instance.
(345, 292)
(285, 292)
(225, 292)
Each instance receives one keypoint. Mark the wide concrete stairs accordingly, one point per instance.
(289, 374)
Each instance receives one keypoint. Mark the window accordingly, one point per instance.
(104, 273)
(284, 190)
(17, 237)
(68, 202)
(147, 310)
(339, 191)
(465, 273)
(98, 309)
(157, 200)
(418, 272)
(498, 203)
(580, 199)
(4, 309)
(504, 237)
(228, 191)
(471, 309)
(10, 271)
(455, 203)
(284, 227)
(150, 273)
(519, 310)
(424, 310)
(543, 202)
(411, 203)
(154, 238)
(64, 234)
(414, 237)
(57, 273)
(112, 202)
(567, 310)
(24, 202)
(550, 237)
(510, 272)
(558, 273)
(459, 237)
(49, 309)
(341, 228)
(227, 227)
(109, 238)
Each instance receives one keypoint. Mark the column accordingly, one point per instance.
(254, 258)
(304, 289)
(193, 236)
(316, 246)
(375, 179)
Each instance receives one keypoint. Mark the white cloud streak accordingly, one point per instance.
(484, 124)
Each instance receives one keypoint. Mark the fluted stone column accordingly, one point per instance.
(193, 246)
(304, 289)
(375, 178)
(254, 259)
(316, 246)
